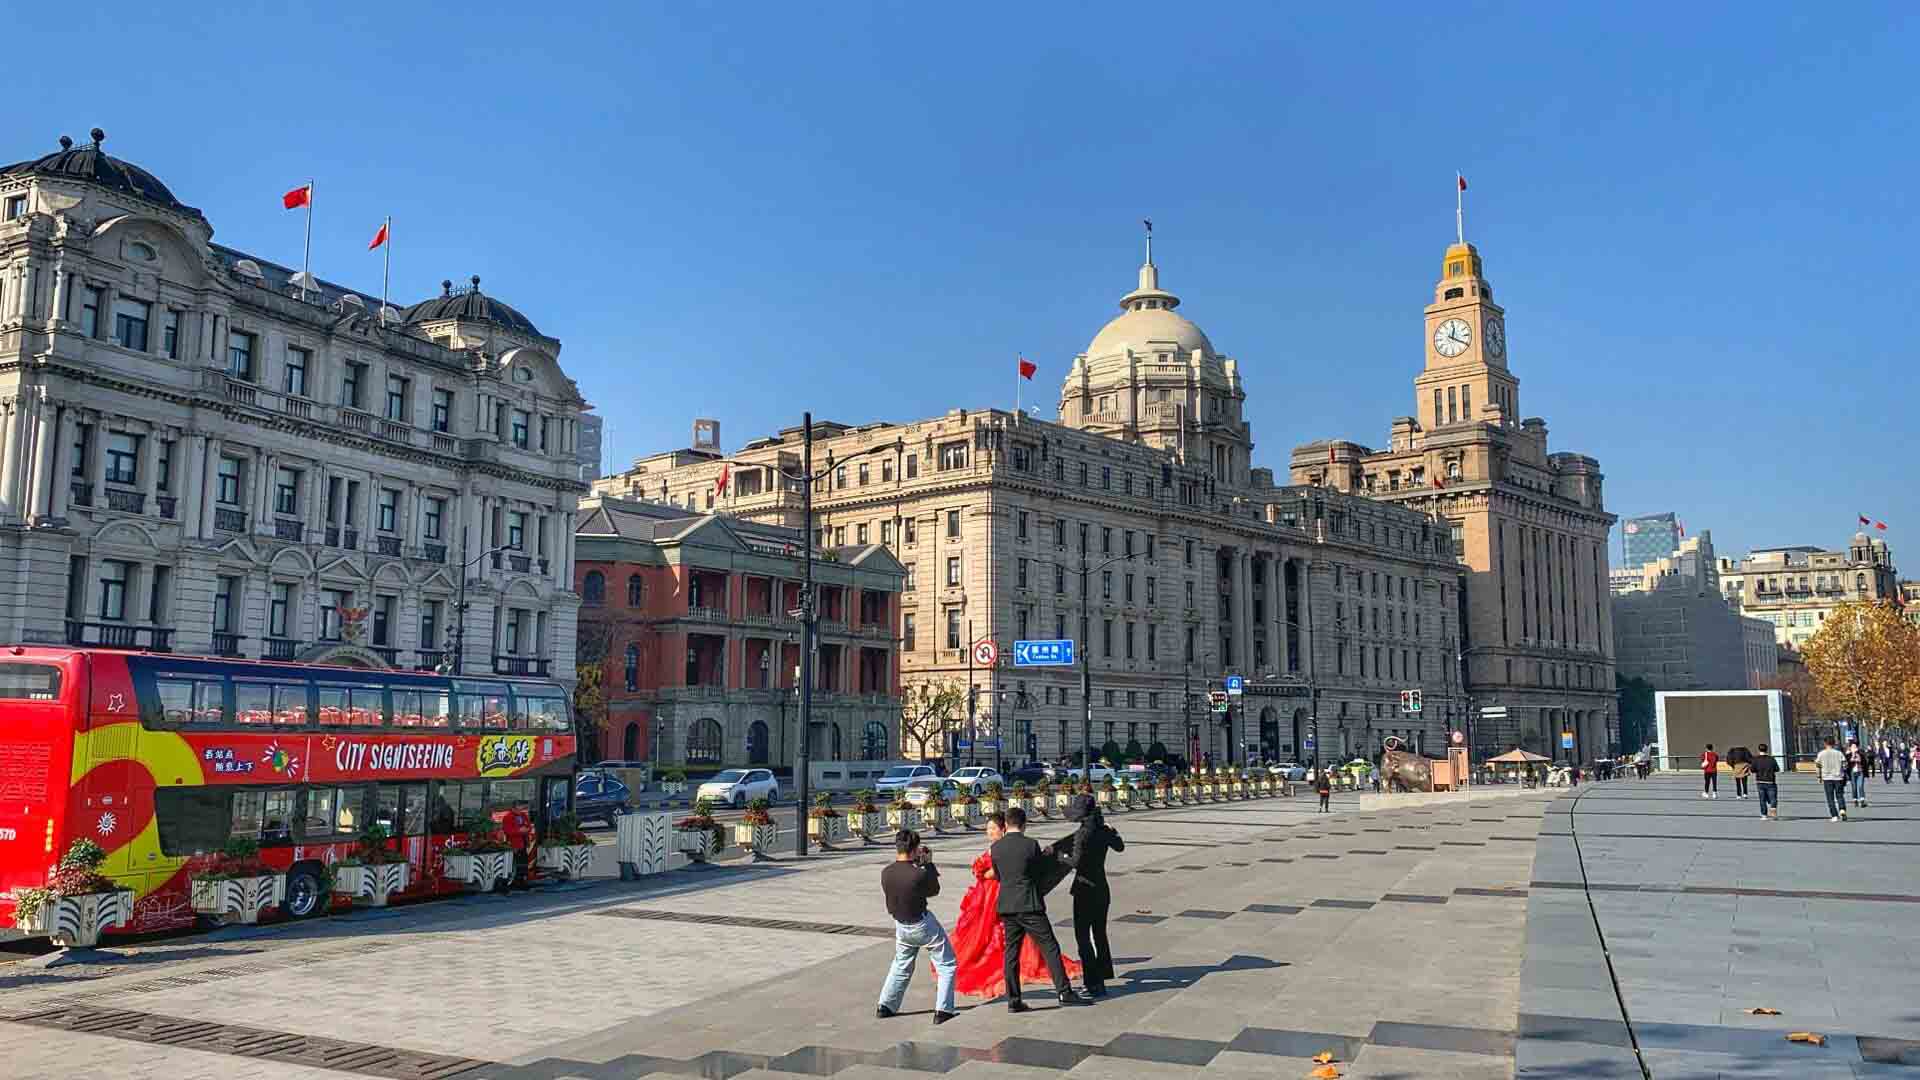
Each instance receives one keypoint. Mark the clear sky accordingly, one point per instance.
(1701, 219)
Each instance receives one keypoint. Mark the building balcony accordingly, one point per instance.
(289, 530)
(126, 502)
(436, 553)
(343, 538)
(691, 693)
(386, 652)
(226, 520)
(225, 644)
(537, 666)
(111, 635)
(432, 659)
(707, 614)
(278, 648)
(831, 626)
(80, 494)
(519, 564)
(387, 545)
(168, 505)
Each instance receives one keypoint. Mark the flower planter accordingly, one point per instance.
(571, 860)
(244, 899)
(482, 871)
(902, 817)
(1062, 800)
(77, 922)
(826, 830)
(698, 845)
(759, 839)
(372, 884)
(939, 817)
(672, 787)
(1123, 799)
(1103, 798)
(865, 825)
(988, 808)
(1022, 803)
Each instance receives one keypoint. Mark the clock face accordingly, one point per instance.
(1496, 338)
(1452, 337)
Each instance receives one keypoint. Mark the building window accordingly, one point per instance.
(909, 532)
(398, 390)
(862, 475)
(1020, 622)
(636, 590)
(1153, 651)
(1127, 594)
(521, 420)
(1059, 534)
(909, 629)
(1106, 541)
(16, 207)
(1190, 643)
(1457, 531)
(886, 469)
(279, 608)
(163, 468)
(1106, 638)
(294, 378)
(593, 589)
(123, 457)
(632, 665)
(442, 410)
(953, 456)
(90, 301)
(953, 572)
(1190, 594)
(840, 477)
(1189, 552)
(382, 620)
(130, 323)
(953, 524)
(913, 466)
(516, 529)
(1150, 592)
(286, 491)
(240, 355)
(1106, 478)
(860, 533)
(886, 532)
(1129, 637)
(1020, 571)
(388, 511)
(953, 628)
(353, 376)
(227, 486)
(224, 591)
(170, 335)
(908, 584)
(1020, 524)
(1106, 584)
(436, 515)
(115, 578)
(1059, 580)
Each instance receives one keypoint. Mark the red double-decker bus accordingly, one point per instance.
(161, 758)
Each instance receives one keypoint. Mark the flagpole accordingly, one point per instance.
(1459, 207)
(1016, 388)
(386, 272)
(306, 254)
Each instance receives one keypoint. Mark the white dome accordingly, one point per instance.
(1148, 330)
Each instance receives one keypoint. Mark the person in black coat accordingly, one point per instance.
(1025, 869)
(1086, 851)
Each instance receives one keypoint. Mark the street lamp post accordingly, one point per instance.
(1086, 660)
(457, 666)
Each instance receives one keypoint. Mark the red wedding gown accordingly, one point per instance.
(979, 944)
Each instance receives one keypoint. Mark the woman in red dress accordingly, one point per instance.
(979, 944)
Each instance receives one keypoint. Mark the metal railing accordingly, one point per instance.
(127, 502)
(233, 521)
(80, 494)
(429, 659)
(538, 666)
(434, 552)
(288, 530)
(387, 545)
(120, 635)
(225, 644)
(275, 648)
(168, 505)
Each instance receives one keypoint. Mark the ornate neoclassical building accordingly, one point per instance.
(202, 452)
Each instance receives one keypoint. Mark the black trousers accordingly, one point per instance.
(1090, 934)
(1017, 928)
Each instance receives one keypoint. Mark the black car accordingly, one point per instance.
(1029, 774)
(599, 797)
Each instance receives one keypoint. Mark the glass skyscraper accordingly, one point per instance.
(1649, 537)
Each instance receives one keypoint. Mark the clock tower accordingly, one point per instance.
(1466, 379)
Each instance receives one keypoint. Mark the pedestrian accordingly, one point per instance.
(1886, 762)
(1023, 869)
(1740, 759)
(1323, 787)
(1906, 763)
(1373, 778)
(1086, 851)
(1857, 768)
(1710, 773)
(1832, 765)
(1766, 777)
(908, 883)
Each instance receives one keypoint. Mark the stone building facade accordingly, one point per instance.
(694, 614)
(201, 451)
(1529, 526)
(1197, 564)
(1796, 588)
(1677, 632)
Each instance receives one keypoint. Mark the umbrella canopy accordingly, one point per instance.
(1516, 757)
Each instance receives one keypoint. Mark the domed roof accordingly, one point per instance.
(471, 304)
(93, 165)
(1147, 322)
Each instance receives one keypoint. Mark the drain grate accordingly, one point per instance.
(235, 1041)
(747, 922)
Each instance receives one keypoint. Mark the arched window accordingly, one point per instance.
(593, 589)
(630, 743)
(704, 742)
(633, 591)
(757, 743)
(1860, 582)
(633, 667)
(873, 744)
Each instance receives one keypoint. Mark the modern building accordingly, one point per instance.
(1676, 631)
(1796, 588)
(1528, 525)
(1137, 526)
(201, 451)
(1648, 537)
(592, 431)
(691, 615)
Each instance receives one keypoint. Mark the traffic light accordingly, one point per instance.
(1416, 699)
(1406, 701)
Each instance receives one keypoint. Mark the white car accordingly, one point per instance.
(1100, 774)
(1288, 770)
(900, 775)
(920, 790)
(976, 778)
(738, 787)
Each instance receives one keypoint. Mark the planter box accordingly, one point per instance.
(483, 871)
(1022, 803)
(826, 830)
(865, 826)
(244, 899)
(758, 839)
(572, 860)
(1062, 800)
(77, 922)
(989, 807)
(939, 817)
(372, 885)
(1103, 797)
(903, 818)
(697, 845)
(672, 787)
(643, 842)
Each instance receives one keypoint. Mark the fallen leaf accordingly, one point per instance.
(1763, 1011)
(1323, 1057)
(1807, 1037)
(1324, 1072)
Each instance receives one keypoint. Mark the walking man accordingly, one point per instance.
(1086, 851)
(1906, 763)
(1710, 773)
(1766, 780)
(1833, 777)
(1022, 866)
(908, 882)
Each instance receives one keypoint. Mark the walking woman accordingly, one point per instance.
(1741, 760)
(1857, 768)
(1323, 786)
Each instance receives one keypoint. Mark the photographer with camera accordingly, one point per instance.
(908, 883)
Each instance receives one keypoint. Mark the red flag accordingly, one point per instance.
(298, 197)
(1677, 524)
(720, 485)
(1865, 520)
(1027, 368)
(1437, 482)
(1463, 181)
(379, 237)
(1881, 525)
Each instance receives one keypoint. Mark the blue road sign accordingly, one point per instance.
(1051, 653)
(1566, 740)
(1236, 685)
(962, 744)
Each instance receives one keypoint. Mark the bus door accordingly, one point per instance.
(557, 804)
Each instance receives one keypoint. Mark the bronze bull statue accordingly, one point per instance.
(1407, 771)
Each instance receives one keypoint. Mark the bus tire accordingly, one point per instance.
(306, 896)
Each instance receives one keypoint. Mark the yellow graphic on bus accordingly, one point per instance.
(504, 755)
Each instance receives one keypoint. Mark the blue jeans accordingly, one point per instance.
(1859, 785)
(908, 940)
(1769, 796)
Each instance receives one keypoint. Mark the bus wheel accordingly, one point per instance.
(305, 899)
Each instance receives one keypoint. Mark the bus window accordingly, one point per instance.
(290, 704)
(320, 806)
(192, 820)
(406, 708)
(246, 813)
(473, 799)
(253, 703)
(185, 700)
(386, 808)
(29, 682)
(506, 794)
(368, 706)
(413, 810)
(436, 707)
(350, 811)
(277, 813)
(444, 808)
(333, 706)
(485, 710)
(544, 712)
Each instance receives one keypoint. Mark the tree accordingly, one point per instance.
(1133, 751)
(926, 709)
(1865, 660)
(1636, 710)
(1110, 752)
(1809, 704)
(594, 640)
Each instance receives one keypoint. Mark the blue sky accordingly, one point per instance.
(1700, 219)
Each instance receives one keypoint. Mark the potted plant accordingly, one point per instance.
(483, 860)
(237, 884)
(565, 850)
(966, 809)
(1105, 796)
(864, 818)
(901, 814)
(673, 780)
(1042, 799)
(939, 810)
(1063, 795)
(824, 823)
(77, 904)
(990, 802)
(372, 871)
(756, 832)
(697, 834)
(1020, 799)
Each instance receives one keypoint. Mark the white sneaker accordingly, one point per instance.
(1833, 819)
(1705, 795)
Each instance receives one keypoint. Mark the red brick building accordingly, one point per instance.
(692, 611)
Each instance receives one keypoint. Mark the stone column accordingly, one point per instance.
(59, 479)
(60, 291)
(204, 485)
(10, 424)
(1243, 610)
(150, 482)
(1276, 590)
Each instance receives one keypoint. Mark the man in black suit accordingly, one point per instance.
(1024, 869)
(1086, 850)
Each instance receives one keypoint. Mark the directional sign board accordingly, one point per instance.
(1057, 652)
(1218, 699)
(1236, 685)
(1493, 712)
(985, 653)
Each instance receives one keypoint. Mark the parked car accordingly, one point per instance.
(900, 775)
(738, 787)
(1100, 774)
(975, 778)
(1145, 775)
(599, 797)
(919, 790)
